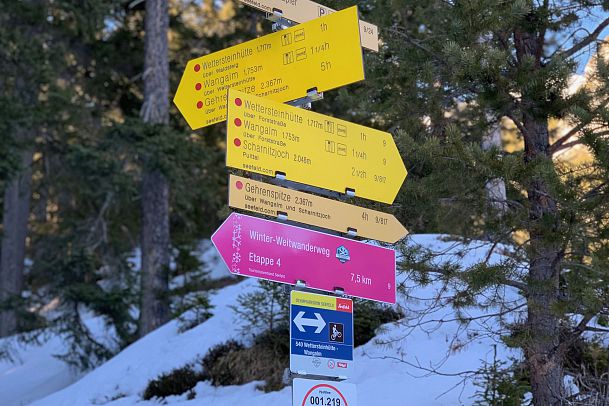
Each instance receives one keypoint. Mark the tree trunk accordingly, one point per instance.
(17, 197)
(155, 251)
(155, 188)
(544, 361)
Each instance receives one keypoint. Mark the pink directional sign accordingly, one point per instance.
(265, 249)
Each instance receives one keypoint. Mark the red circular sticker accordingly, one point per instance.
(324, 395)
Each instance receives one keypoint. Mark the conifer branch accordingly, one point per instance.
(559, 142)
(502, 281)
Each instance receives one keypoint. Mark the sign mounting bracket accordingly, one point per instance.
(279, 22)
(305, 102)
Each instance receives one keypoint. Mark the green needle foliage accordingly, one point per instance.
(446, 74)
(81, 65)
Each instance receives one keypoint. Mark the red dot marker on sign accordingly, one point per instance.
(238, 122)
(199, 104)
(238, 101)
(197, 67)
(239, 185)
(198, 86)
(237, 142)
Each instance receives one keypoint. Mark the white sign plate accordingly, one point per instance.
(308, 392)
(321, 335)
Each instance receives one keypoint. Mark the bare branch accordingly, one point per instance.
(595, 191)
(593, 36)
(417, 44)
(418, 365)
(565, 146)
(574, 335)
(517, 123)
(597, 329)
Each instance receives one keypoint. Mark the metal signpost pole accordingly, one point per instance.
(292, 372)
(279, 24)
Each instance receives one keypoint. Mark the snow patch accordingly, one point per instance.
(399, 369)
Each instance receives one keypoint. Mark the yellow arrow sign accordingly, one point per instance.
(301, 11)
(324, 53)
(273, 138)
(271, 200)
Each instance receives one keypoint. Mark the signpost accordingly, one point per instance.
(306, 392)
(321, 335)
(324, 54)
(271, 200)
(301, 11)
(246, 85)
(265, 249)
(273, 138)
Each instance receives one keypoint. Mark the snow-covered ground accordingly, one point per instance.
(400, 373)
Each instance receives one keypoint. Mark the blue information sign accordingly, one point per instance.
(321, 335)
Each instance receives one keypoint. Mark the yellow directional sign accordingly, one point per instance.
(301, 11)
(271, 200)
(273, 138)
(324, 53)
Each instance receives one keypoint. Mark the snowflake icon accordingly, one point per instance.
(236, 235)
(236, 257)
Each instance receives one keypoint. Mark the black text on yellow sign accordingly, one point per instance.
(273, 138)
(271, 200)
(324, 54)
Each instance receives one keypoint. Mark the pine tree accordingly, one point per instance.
(24, 63)
(447, 72)
(91, 148)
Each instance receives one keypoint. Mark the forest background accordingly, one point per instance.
(502, 143)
